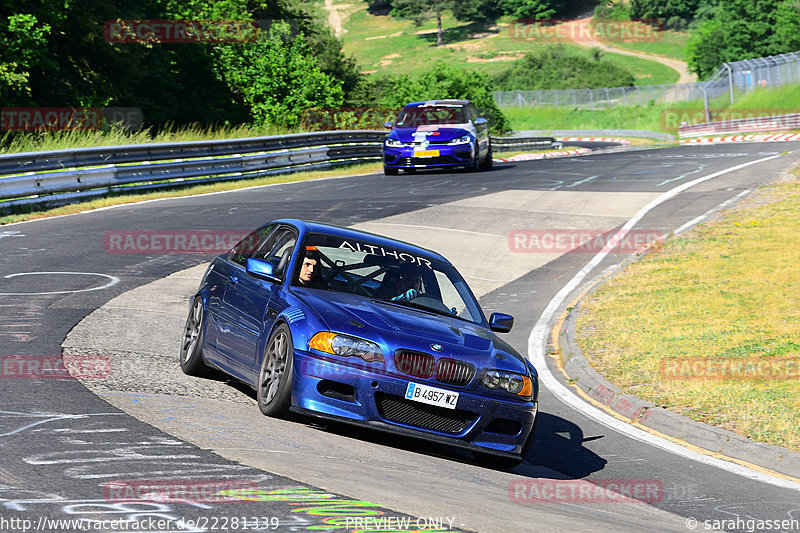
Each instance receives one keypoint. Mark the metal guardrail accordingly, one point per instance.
(42, 177)
(508, 144)
(60, 176)
(750, 124)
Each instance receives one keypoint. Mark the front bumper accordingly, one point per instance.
(371, 397)
(409, 157)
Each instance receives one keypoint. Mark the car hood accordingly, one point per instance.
(432, 133)
(394, 326)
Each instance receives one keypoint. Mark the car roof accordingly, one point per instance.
(450, 102)
(306, 226)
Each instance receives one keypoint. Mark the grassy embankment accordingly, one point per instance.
(661, 117)
(727, 290)
(386, 45)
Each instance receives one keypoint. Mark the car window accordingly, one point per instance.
(412, 117)
(277, 249)
(384, 273)
(250, 243)
(473, 111)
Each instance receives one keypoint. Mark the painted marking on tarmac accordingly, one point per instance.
(537, 342)
(112, 280)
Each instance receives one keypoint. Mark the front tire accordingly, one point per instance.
(475, 165)
(388, 171)
(274, 387)
(192, 362)
(489, 161)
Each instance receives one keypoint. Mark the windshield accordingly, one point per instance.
(412, 117)
(390, 275)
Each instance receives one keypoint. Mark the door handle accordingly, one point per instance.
(234, 279)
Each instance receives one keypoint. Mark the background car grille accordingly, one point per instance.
(406, 412)
(454, 372)
(416, 364)
(439, 160)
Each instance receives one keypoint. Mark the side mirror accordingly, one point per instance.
(262, 270)
(501, 322)
(481, 121)
(388, 124)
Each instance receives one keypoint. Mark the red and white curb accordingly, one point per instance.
(596, 140)
(543, 155)
(761, 137)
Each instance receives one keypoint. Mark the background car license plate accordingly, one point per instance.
(431, 395)
(426, 153)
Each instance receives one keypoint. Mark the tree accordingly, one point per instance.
(555, 67)
(441, 82)
(534, 9)
(422, 10)
(743, 29)
(278, 77)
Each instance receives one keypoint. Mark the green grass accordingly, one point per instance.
(725, 292)
(15, 142)
(671, 44)
(387, 45)
(661, 117)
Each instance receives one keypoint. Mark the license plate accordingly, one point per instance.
(426, 153)
(431, 395)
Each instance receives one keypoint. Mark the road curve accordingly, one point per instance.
(406, 477)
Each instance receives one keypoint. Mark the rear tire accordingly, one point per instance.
(274, 387)
(192, 362)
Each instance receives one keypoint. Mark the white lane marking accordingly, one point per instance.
(582, 181)
(537, 342)
(112, 280)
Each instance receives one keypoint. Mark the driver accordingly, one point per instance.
(308, 269)
(410, 283)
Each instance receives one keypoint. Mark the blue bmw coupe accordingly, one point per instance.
(351, 326)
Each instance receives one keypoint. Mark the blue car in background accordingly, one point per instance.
(437, 134)
(358, 328)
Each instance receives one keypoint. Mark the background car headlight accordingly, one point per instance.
(394, 142)
(508, 381)
(466, 139)
(346, 346)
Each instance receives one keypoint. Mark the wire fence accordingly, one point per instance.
(743, 76)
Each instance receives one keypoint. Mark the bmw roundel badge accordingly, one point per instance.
(436, 347)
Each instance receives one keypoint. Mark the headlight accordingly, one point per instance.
(394, 142)
(510, 382)
(346, 346)
(466, 139)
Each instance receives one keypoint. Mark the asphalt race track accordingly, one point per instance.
(68, 453)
